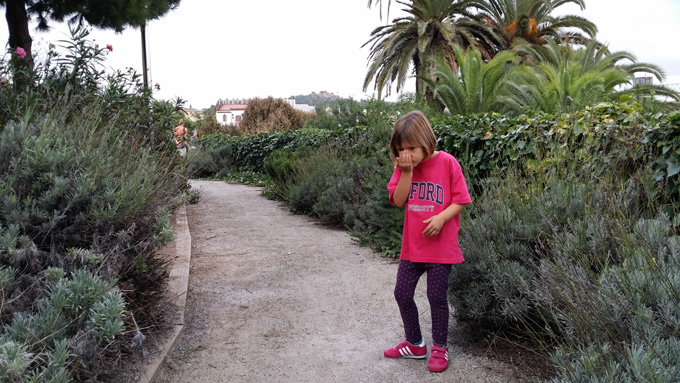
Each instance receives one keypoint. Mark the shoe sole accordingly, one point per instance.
(406, 357)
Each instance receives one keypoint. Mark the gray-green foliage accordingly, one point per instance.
(585, 263)
(626, 327)
(566, 243)
(87, 180)
(38, 347)
(72, 191)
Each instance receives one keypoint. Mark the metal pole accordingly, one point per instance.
(144, 67)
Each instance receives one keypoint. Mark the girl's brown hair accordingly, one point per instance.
(414, 128)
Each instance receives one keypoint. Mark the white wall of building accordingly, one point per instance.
(229, 118)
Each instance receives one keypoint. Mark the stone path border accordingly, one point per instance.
(178, 284)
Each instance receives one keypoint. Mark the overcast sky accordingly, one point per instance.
(212, 49)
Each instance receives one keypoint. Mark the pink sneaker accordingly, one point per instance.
(407, 350)
(439, 358)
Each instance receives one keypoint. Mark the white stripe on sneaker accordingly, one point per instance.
(405, 352)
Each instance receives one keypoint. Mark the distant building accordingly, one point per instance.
(301, 107)
(230, 112)
(643, 81)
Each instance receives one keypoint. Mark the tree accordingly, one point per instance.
(478, 87)
(532, 20)
(109, 14)
(271, 115)
(569, 77)
(407, 45)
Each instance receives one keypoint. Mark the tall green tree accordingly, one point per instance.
(593, 56)
(569, 77)
(406, 46)
(532, 20)
(478, 87)
(105, 14)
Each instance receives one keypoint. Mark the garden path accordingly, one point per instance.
(275, 296)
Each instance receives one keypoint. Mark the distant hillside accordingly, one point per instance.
(322, 98)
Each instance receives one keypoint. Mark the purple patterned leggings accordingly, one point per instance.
(437, 285)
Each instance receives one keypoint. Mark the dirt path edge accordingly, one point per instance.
(176, 293)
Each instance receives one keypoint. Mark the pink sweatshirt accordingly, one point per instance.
(436, 183)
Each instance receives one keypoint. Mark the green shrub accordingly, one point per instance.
(379, 224)
(314, 175)
(564, 242)
(281, 166)
(88, 175)
(77, 313)
(622, 324)
(270, 115)
(209, 161)
(342, 114)
(575, 261)
(338, 204)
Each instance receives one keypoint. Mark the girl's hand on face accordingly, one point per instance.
(404, 161)
(435, 224)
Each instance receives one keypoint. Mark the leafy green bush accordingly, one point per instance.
(77, 313)
(378, 223)
(569, 259)
(70, 79)
(623, 324)
(342, 114)
(610, 137)
(88, 176)
(270, 115)
(281, 166)
(564, 243)
(211, 161)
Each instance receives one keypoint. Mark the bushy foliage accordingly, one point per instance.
(248, 153)
(609, 137)
(625, 327)
(270, 115)
(577, 261)
(342, 114)
(570, 242)
(207, 123)
(88, 176)
(78, 313)
(73, 75)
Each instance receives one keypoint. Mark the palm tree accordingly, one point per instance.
(560, 89)
(568, 78)
(389, 3)
(613, 69)
(531, 20)
(407, 45)
(478, 87)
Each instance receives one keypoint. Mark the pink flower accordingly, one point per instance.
(21, 52)
(109, 47)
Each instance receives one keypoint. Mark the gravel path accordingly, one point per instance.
(276, 297)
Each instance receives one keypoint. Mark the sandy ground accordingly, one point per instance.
(277, 297)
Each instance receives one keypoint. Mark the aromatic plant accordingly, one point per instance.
(88, 176)
(571, 242)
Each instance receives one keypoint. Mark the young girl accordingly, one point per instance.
(431, 185)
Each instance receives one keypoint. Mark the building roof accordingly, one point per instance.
(230, 107)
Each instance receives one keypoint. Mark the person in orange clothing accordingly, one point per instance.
(181, 134)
